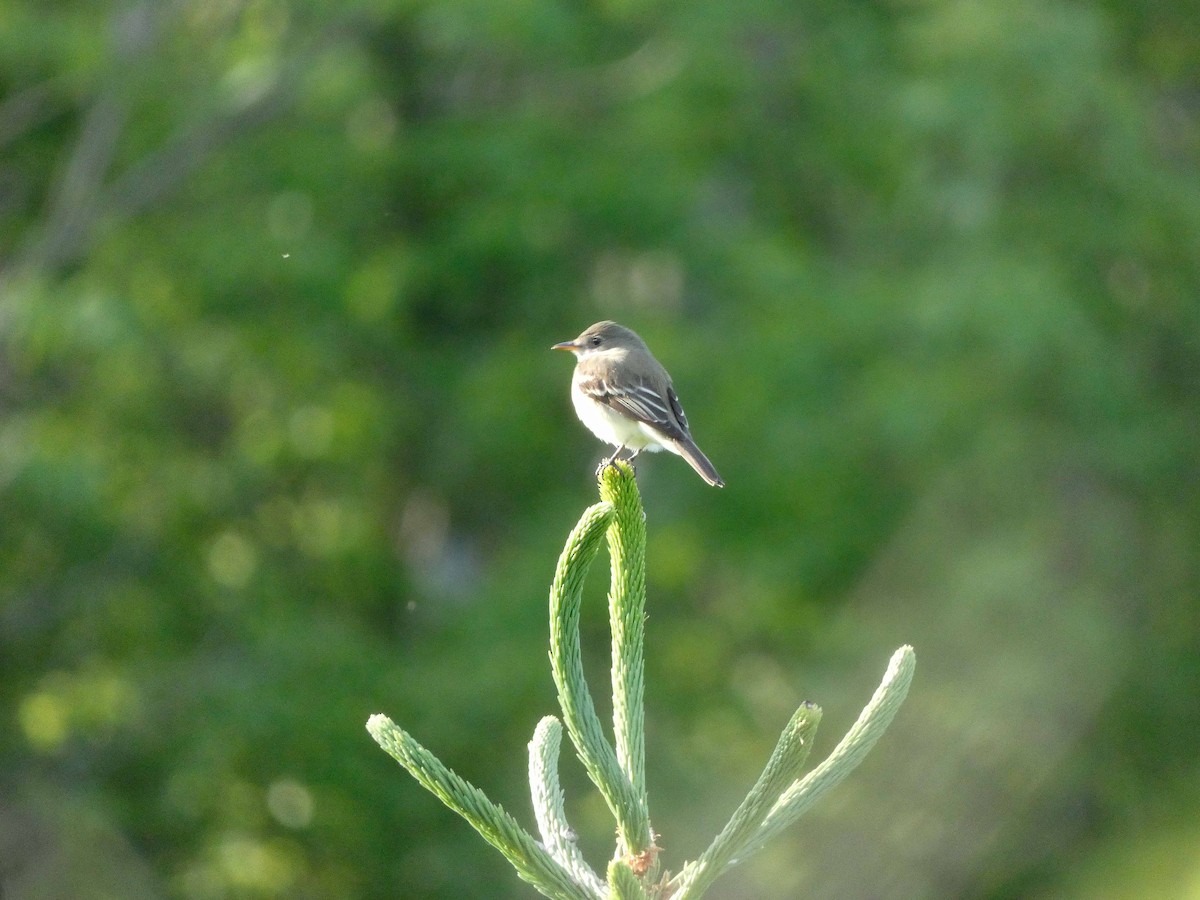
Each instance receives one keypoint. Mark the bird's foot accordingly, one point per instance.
(605, 463)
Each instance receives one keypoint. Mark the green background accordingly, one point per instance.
(282, 444)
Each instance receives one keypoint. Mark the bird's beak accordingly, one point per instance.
(566, 345)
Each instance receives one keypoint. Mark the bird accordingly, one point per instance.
(624, 396)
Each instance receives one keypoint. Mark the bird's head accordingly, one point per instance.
(602, 337)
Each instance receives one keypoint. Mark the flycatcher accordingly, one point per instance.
(624, 396)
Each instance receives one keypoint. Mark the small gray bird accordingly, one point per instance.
(624, 396)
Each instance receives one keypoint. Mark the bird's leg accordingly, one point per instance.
(604, 464)
(631, 457)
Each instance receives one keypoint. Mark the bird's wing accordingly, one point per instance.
(677, 408)
(641, 400)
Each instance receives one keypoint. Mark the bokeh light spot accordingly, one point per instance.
(311, 431)
(232, 560)
(43, 718)
(290, 803)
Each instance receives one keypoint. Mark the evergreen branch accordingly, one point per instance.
(557, 867)
(871, 723)
(623, 884)
(566, 663)
(627, 617)
(781, 770)
(557, 835)
(532, 862)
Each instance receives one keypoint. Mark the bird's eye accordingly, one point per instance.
(595, 340)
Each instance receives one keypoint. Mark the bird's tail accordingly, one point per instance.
(697, 460)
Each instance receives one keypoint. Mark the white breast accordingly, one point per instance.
(612, 427)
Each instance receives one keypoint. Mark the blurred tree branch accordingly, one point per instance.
(26, 109)
(84, 194)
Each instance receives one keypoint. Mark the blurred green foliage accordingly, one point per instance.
(281, 445)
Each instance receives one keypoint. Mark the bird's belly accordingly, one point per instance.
(612, 427)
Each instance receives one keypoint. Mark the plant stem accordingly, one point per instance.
(627, 617)
(557, 835)
(532, 862)
(850, 751)
(566, 663)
